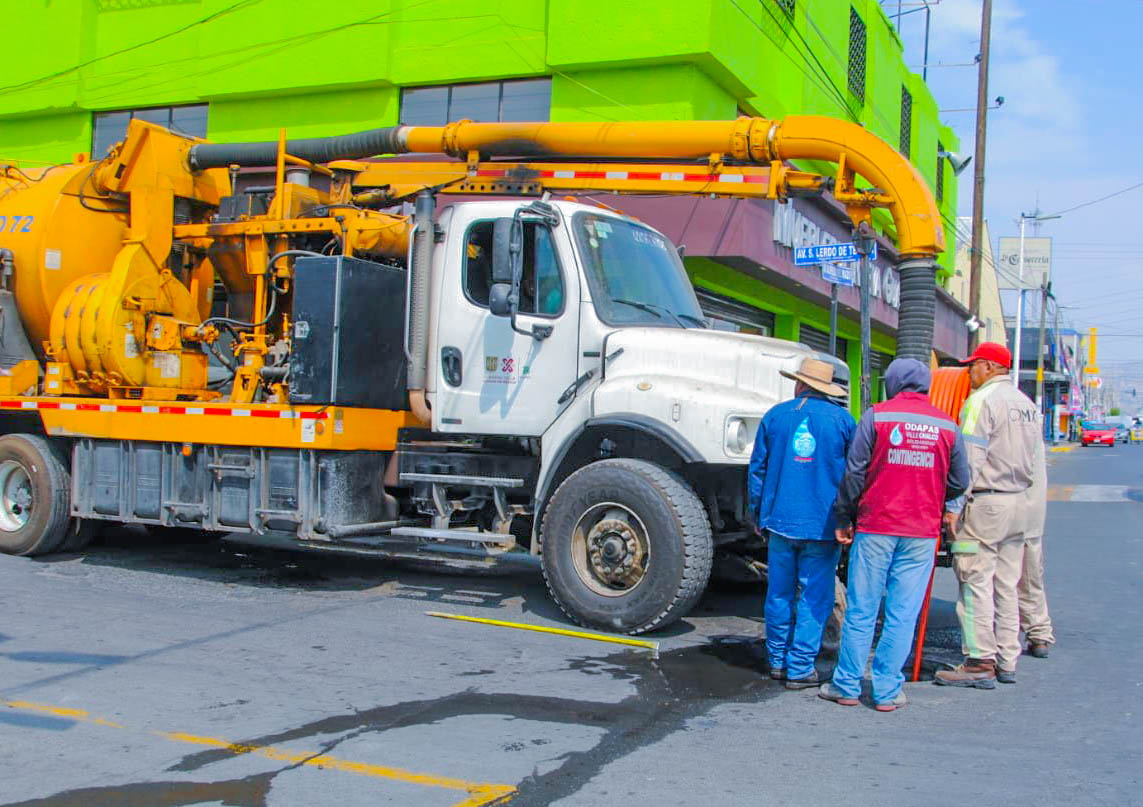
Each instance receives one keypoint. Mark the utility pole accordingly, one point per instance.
(976, 253)
(1040, 346)
(1019, 309)
(863, 241)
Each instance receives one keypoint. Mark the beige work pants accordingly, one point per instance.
(988, 557)
(1034, 618)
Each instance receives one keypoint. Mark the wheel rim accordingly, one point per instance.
(610, 549)
(15, 496)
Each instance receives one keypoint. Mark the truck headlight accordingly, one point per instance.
(737, 436)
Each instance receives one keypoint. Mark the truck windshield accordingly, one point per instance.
(635, 275)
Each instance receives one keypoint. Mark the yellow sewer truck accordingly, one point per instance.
(340, 361)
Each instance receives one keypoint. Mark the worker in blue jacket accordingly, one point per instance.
(795, 469)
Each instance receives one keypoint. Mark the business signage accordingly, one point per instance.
(1037, 262)
(795, 230)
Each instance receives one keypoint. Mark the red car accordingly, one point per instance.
(1099, 434)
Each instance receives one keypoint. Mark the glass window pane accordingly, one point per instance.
(541, 284)
(424, 106)
(527, 100)
(478, 262)
(108, 128)
(158, 115)
(189, 120)
(478, 102)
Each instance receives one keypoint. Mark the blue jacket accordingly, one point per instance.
(797, 465)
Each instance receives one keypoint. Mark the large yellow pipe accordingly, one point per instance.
(757, 140)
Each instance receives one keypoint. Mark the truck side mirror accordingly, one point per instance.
(500, 299)
(507, 248)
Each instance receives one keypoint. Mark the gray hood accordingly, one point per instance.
(906, 374)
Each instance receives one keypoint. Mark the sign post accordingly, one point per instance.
(865, 245)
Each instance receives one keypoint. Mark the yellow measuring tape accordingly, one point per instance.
(575, 634)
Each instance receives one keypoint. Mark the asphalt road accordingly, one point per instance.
(139, 674)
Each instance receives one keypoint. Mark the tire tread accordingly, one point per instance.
(698, 546)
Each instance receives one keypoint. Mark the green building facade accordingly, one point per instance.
(236, 70)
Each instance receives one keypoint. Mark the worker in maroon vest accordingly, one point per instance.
(906, 461)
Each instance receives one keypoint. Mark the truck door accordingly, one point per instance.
(493, 379)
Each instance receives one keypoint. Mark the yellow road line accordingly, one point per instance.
(576, 634)
(480, 794)
(57, 711)
(1061, 449)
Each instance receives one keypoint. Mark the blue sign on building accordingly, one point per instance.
(829, 253)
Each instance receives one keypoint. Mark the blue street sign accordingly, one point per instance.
(837, 273)
(829, 253)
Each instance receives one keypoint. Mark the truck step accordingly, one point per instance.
(458, 479)
(453, 535)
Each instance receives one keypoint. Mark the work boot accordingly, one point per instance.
(1006, 676)
(810, 680)
(975, 672)
(829, 692)
(1038, 649)
(778, 673)
(893, 705)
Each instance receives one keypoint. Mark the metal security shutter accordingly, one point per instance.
(819, 340)
(730, 315)
(879, 362)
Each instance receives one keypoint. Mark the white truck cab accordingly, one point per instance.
(572, 334)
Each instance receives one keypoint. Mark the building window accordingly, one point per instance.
(906, 120)
(856, 55)
(725, 314)
(786, 6)
(108, 128)
(489, 102)
(940, 189)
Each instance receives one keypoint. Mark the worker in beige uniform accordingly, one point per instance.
(1035, 621)
(1001, 430)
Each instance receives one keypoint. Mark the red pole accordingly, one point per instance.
(919, 651)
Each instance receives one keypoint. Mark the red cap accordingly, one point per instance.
(992, 351)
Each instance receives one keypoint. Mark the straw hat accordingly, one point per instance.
(817, 374)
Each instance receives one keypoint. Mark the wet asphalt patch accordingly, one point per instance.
(679, 686)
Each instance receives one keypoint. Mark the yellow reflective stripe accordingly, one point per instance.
(964, 547)
(972, 406)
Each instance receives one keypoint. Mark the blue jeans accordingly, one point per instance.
(899, 569)
(792, 644)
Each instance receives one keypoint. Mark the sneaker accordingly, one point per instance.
(810, 680)
(1006, 676)
(974, 673)
(778, 674)
(893, 705)
(829, 692)
(1038, 649)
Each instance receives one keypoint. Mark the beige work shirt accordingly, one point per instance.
(1003, 437)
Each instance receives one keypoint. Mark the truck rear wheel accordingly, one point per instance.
(35, 496)
(626, 546)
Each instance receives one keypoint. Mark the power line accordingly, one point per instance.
(23, 85)
(1100, 199)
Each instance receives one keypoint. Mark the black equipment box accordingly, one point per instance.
(348, 333)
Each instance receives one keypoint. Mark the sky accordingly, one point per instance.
(1069, 131)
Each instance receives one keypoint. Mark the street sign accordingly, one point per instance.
(829, 253)
(838, 273)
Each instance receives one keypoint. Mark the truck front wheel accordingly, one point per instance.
(35, 496)
(626, 546)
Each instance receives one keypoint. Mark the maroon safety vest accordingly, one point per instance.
(905, 484)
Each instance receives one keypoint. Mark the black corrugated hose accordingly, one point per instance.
(315, 149)
(918, 309)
